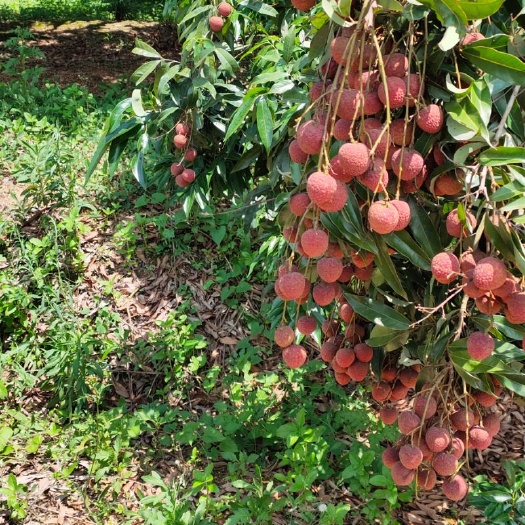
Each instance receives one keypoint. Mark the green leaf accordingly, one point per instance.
(136, 103)
(423, 230)
(378, 313)
(507, 192)
(5, 435)
(476, 10)
(497, 63)
(259, 7)
(144, 71)
(238, 117)
(145, 50)
(289, 44)
(228, 62)
(500, 237)
(502, 155)
(195, 12)
(386, 267)
(265, 123)
(3, 390)
(403, 243)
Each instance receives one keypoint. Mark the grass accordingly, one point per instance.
(136, 370)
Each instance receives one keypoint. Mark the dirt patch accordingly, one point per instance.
(96, 52)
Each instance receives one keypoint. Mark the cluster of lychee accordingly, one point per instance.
(183, 175)
(485, 279)
(436, 436)
(216, 22)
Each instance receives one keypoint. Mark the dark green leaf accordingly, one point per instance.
(500, 237)
(479, 9)
(423, 230)
(387, 269)
(265, 123)
(144, 71)
(378, 313)
(403, 243)
(502, 155)
(259, 7)
(238, 117)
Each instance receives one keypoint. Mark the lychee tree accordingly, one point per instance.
(405, 174)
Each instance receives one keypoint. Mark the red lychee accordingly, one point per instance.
(294, 356)
(292, 285)
(355, 158)
(492, 424)
(342, 129)
(430, 119)
(182, 128)
(188, 175)
(177, 168)
(437, 439)
(363, 352)
(479, 438)
(306, 325)
(407, 163)
(216, 23)
(390, 456)
(410, 456)
(180, 141)
(462, 419)
(339, 49)
(329, 269)
(376, 177)
(323, 294)
(445, 267)
(402, 476)
(284, 336)
(516, 307)
(348, 103)
(445, 464)
(408, 422)
(190, 154)
(425, 406)
(382, 217)
(344, 357)
(480, 345)
(225, 9)
(314, 242)
(413, 85)
(426, 478)
(394, 90)
(455, 227)
(358, 370)
(489, 273)
(296, 153)
(310, 137)
(381, 391)
(403, 210)
(401, 132)
(388, 415)
(455, 488)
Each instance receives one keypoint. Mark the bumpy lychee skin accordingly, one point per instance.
(299, 204)
(349, 103)
(489, 273)
(408, 422)
(364, 352)
(480, 345)
(403, 210)
(339, 49)
(425, 406)
(455, 488)
(462, 419)
(485, 399)
(376, 177)
(216, 23)
(445, 464)
(430, 119)
(492, 424)
(402, 476)
(303, 5)
(447, 184)
(344, 357)
(390, 456)
(342, 129)
(382, 217)
(401, 132)
(176, 168)
(426, 478)
(371, 103)
(296, 153)
(457, 447)
(455, 228)
(188, 175)
(445, 267)
(292, 285)
(413, 85)
(394, 90)
(284, 336)
(399, 391)
(225, 9)
(410, 456)
(396, 65)
(355, 158)
(479, 438)
(407, 163)
(388, 415)
(408, 377)
(180, 141)
(358, 371)
(180, 182)
(321, 187)
(306, 325)
(314, 242)
(182, 128)
(294, 356)
(381, 391)
(516, 307)
(310, 137)
(329, 269)
(346, 312)
(190, 154)
(437, 439)
(323, 294)
(338, 200)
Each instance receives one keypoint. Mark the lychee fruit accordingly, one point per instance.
(355, 158)
(371, 103)
(339, 49)
(479, 438)
(403, 210)
(323, 294)
(338, 199)
(445, 267)
(413, 86)
(471, 37)
(492, 424)
(376, 177)
(399, 391)
(310, 137)
(485, 399)
(180, 141)
(284, 336)
(425, 406)
(410, 456)
(188, 175)
(358, 370)
(430, 119)
(342, 129)
(306, 324)
(445, 464)
(328, 351)
(402, 476)
(321, 187)
(401, 132)
(180, 182)
(344, 357)
(216, 23)
(225, 9)
(462, 419)
(489, 273)
(426, 478)
(361, 259)
(182, 128)
(388, 415)
(292, 285)
(408, 422)
(437, 439)
(447, 184)
(390, 456)
(480, 345)
(314, 242)
(299, 204)
(346, 312)
(396, 65)
(455, 488)
(516, 307)
(176, 168)
(382, 217)
(294, 356)
(457, 447)
(363, 352)
(348, 104)
(408, 377)
(381, 391)
(488, 304)
(455, 227)
(407, 163)
(394, 90)
(190, 154)
(296, 153)
(329, 269)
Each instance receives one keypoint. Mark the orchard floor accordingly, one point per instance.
(95, 53)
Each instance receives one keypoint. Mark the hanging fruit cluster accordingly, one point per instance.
(390, 250)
